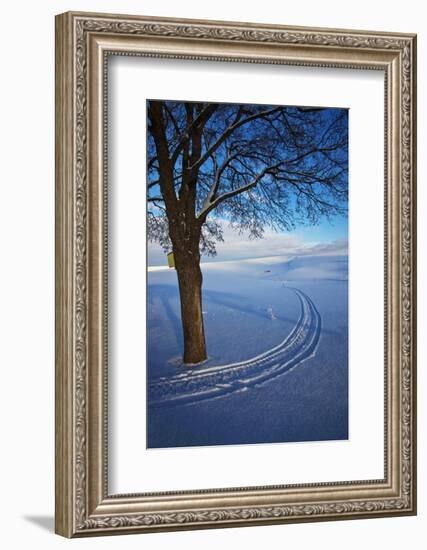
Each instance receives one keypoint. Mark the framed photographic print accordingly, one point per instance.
(235, 274)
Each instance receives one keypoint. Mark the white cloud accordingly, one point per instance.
(338, 247)
(237, 246)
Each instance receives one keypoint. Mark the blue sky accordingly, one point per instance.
(326, 231)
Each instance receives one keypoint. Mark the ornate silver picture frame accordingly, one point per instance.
(84, 505)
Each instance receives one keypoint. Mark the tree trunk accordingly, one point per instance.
(190, 288)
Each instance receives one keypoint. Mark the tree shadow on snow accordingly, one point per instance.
(166, 294)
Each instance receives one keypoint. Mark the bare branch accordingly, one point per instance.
(234, 192)
(232, 128)
(153, 199)
(199, 121)
(218, 173)
(158, 131)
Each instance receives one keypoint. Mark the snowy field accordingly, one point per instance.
(277, 338)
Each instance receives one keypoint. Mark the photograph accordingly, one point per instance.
(247, 273)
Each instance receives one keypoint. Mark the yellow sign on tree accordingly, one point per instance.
(171, 259)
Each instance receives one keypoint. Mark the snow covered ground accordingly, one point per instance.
(277, 338)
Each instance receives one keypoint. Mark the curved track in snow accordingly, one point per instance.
(197, 384)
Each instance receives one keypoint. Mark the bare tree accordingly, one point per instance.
(253, 165)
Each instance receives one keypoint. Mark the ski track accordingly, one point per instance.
(201, 384)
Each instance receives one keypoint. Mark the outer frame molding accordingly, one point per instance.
(83, 42)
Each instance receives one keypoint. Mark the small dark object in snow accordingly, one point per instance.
(270, 314)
